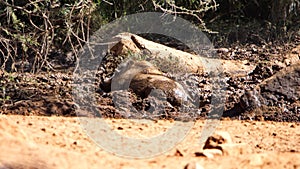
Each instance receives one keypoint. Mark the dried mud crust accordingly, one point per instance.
(51, 93)
(36, 94)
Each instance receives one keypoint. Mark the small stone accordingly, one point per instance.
(199, 154)
(223, 50)
(193, 165)
(219, 137)
(211, 153)
(178, 153)
(282, 65)
(235, 149)
(287, 62)
(256, 159)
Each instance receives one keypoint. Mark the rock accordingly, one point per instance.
(193, 165)
(277, 95)
(286, 83)
(220, 143)
(222, 50)
(256, 159)
(251, 103)
(178, 153)
(211, 153)
(293, 57)
(235, 149)
(218, 138)
(287, 62)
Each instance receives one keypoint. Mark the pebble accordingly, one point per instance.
(193, 165)
(219, 137)
(211, 153)
(223, 50)
(235, 149)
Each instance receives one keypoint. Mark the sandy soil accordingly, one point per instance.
(60, 142)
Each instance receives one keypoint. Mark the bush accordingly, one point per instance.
(32, 32)
(280, 14)
(35, 35)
